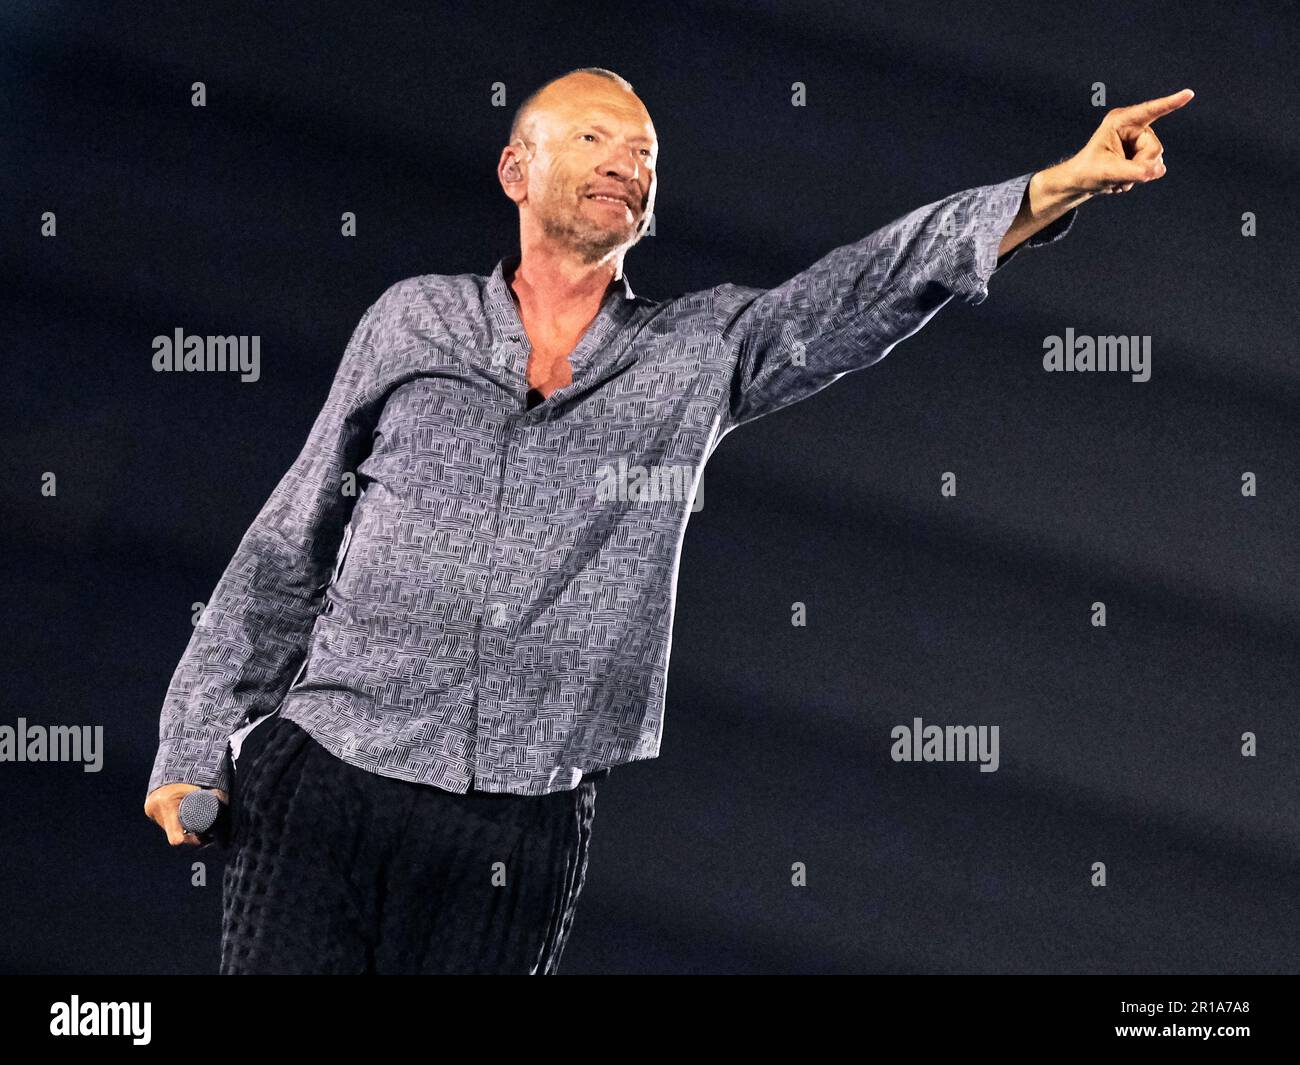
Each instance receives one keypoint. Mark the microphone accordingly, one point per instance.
(201, 812)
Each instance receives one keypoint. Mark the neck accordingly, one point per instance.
(556, 284)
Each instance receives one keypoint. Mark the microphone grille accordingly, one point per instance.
(199, 810)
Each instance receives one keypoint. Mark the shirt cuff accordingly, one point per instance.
(994, 209)
(178, 762)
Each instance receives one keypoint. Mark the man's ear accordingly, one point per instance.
(512, 173)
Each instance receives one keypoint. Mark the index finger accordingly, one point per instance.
(1145, 113)
(175, 830)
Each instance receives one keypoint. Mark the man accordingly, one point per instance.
(454, 613)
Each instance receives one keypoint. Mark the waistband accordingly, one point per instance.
(589, 775)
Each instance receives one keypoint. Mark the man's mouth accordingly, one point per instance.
(601, 197)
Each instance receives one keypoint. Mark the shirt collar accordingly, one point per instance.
(501, 302)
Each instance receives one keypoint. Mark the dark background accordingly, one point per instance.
(1118, 745)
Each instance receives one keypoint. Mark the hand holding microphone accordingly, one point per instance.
(189, 814)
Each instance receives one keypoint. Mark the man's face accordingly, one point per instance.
(591, 183)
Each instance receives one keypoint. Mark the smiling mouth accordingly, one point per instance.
(610, 199)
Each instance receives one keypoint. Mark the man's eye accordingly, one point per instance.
(591, 135)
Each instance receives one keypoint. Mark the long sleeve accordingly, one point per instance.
(847, 310)
(253, 635)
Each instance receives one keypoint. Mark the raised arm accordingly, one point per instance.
(848, 310)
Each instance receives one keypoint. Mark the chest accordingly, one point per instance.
(552, 342)
(549, 367)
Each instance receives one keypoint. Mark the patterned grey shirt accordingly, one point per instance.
(453, 588)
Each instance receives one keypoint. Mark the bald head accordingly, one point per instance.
(521, 126)
(581, 162)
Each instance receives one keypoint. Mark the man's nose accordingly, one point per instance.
(623, 164)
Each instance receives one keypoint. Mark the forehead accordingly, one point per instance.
(594, 101)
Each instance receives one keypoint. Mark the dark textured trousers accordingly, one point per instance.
(333, 869)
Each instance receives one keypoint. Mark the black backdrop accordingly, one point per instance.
(1119, 745)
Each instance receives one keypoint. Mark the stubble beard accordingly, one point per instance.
(589, 241)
